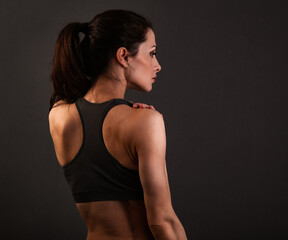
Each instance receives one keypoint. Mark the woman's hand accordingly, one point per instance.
(142, 105)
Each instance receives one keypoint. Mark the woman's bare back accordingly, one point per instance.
(104, 219)
(121, 220)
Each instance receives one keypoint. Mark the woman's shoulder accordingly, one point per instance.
(143, 121)
(145, 115)
(63, 117)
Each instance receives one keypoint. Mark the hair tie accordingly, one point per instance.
(84, 28)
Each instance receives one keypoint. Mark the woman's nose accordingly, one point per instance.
(158, 67)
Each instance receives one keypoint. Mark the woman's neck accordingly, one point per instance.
(106, 88)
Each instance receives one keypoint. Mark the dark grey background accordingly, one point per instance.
(222, 91)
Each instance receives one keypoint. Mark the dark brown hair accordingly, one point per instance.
(77, 64)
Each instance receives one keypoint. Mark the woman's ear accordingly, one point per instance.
(122, 56)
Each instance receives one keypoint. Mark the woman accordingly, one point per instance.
(113, 156)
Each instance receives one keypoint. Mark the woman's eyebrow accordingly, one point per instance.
(154, 46)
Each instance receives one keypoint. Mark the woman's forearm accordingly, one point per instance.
(172, 230)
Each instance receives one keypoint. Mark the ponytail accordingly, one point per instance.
(68, 75)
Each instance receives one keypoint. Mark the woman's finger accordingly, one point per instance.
(142, 105)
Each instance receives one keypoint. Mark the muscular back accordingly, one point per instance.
(108, 219)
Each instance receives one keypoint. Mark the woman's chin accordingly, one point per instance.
(147, 88)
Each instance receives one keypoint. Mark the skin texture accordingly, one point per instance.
(136, 138)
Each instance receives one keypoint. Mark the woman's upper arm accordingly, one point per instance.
(150, 143)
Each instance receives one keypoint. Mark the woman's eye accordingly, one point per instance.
(153, 54)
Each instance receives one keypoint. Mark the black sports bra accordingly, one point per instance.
(94, 174)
